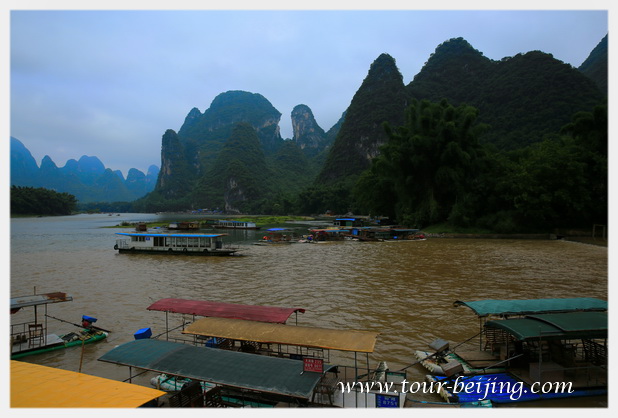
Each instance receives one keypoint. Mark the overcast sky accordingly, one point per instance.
(110, 83)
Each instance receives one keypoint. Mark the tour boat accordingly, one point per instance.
(189, 244)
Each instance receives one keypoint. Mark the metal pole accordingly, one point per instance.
(355, 377)
(480, 334)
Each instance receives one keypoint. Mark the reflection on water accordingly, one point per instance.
(404, 290)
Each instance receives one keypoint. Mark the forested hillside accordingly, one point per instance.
(513, 145)
(40, 201)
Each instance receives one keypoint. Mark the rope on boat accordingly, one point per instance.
(461, 343)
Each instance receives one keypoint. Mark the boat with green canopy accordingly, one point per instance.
(269, 379)
(561, 354)
(491, 355)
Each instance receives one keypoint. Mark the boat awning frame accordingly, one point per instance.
(254, 372)
(324, 338)
(40, 299)
(568, 325)
(225, 310)
(37, 386)
(491, 307)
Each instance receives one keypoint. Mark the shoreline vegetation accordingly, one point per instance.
(433, 231)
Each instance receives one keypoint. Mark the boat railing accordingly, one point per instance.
(122, 243)
(28, 332)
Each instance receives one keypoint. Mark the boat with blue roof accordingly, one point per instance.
(183, 244)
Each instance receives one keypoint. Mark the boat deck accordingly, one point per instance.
(25, 345)
(478, 359)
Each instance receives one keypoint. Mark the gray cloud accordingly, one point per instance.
(109, 83)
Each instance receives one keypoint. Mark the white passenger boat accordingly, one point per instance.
(224, 224)
(188, 244)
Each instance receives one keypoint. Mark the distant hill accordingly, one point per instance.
(232, 157)
(595, 66)
(87, 178)
(380, 98)
(521, 98)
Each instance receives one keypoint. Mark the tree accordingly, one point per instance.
(430, 163)
(40, 201)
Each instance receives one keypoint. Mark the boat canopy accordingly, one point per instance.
(36, 386)
(333, 339)
(222, 367)
(225, 310)
(142, 234)
(568, 325)
(41, 299)
(533, 306)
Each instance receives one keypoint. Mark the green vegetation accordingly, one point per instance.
(511, 146)
(40, 201)
(523, 98)
(426, 172)
(434, 171)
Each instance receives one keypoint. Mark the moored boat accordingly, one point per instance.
(278, 236)
(225, 224)
(38, 386)
(193, 225)
(328, 234)
(536, 343)
(474, 362)
(54, 342)
(187, 244)
(32, 337)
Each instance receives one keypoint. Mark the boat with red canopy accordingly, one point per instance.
(259, 313)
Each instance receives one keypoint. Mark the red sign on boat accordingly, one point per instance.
(313, 365)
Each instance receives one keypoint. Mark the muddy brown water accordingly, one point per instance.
(403, 290)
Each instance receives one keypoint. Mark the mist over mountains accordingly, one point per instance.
(87, 178)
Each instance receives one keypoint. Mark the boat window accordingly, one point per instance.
(193, 242)
(204, 242)
(159, 241)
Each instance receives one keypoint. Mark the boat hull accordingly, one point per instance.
(204, 253)
(92, 338)
(501, 388)
(432, 365)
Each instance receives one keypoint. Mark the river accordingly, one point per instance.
(403, 290)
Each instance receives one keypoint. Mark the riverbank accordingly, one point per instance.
(582, 239)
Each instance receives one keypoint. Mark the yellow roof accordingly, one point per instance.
(238, 329)
(36, 386)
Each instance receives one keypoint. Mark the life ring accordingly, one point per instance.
(115, 246)
(184, 250)
(170, 250)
